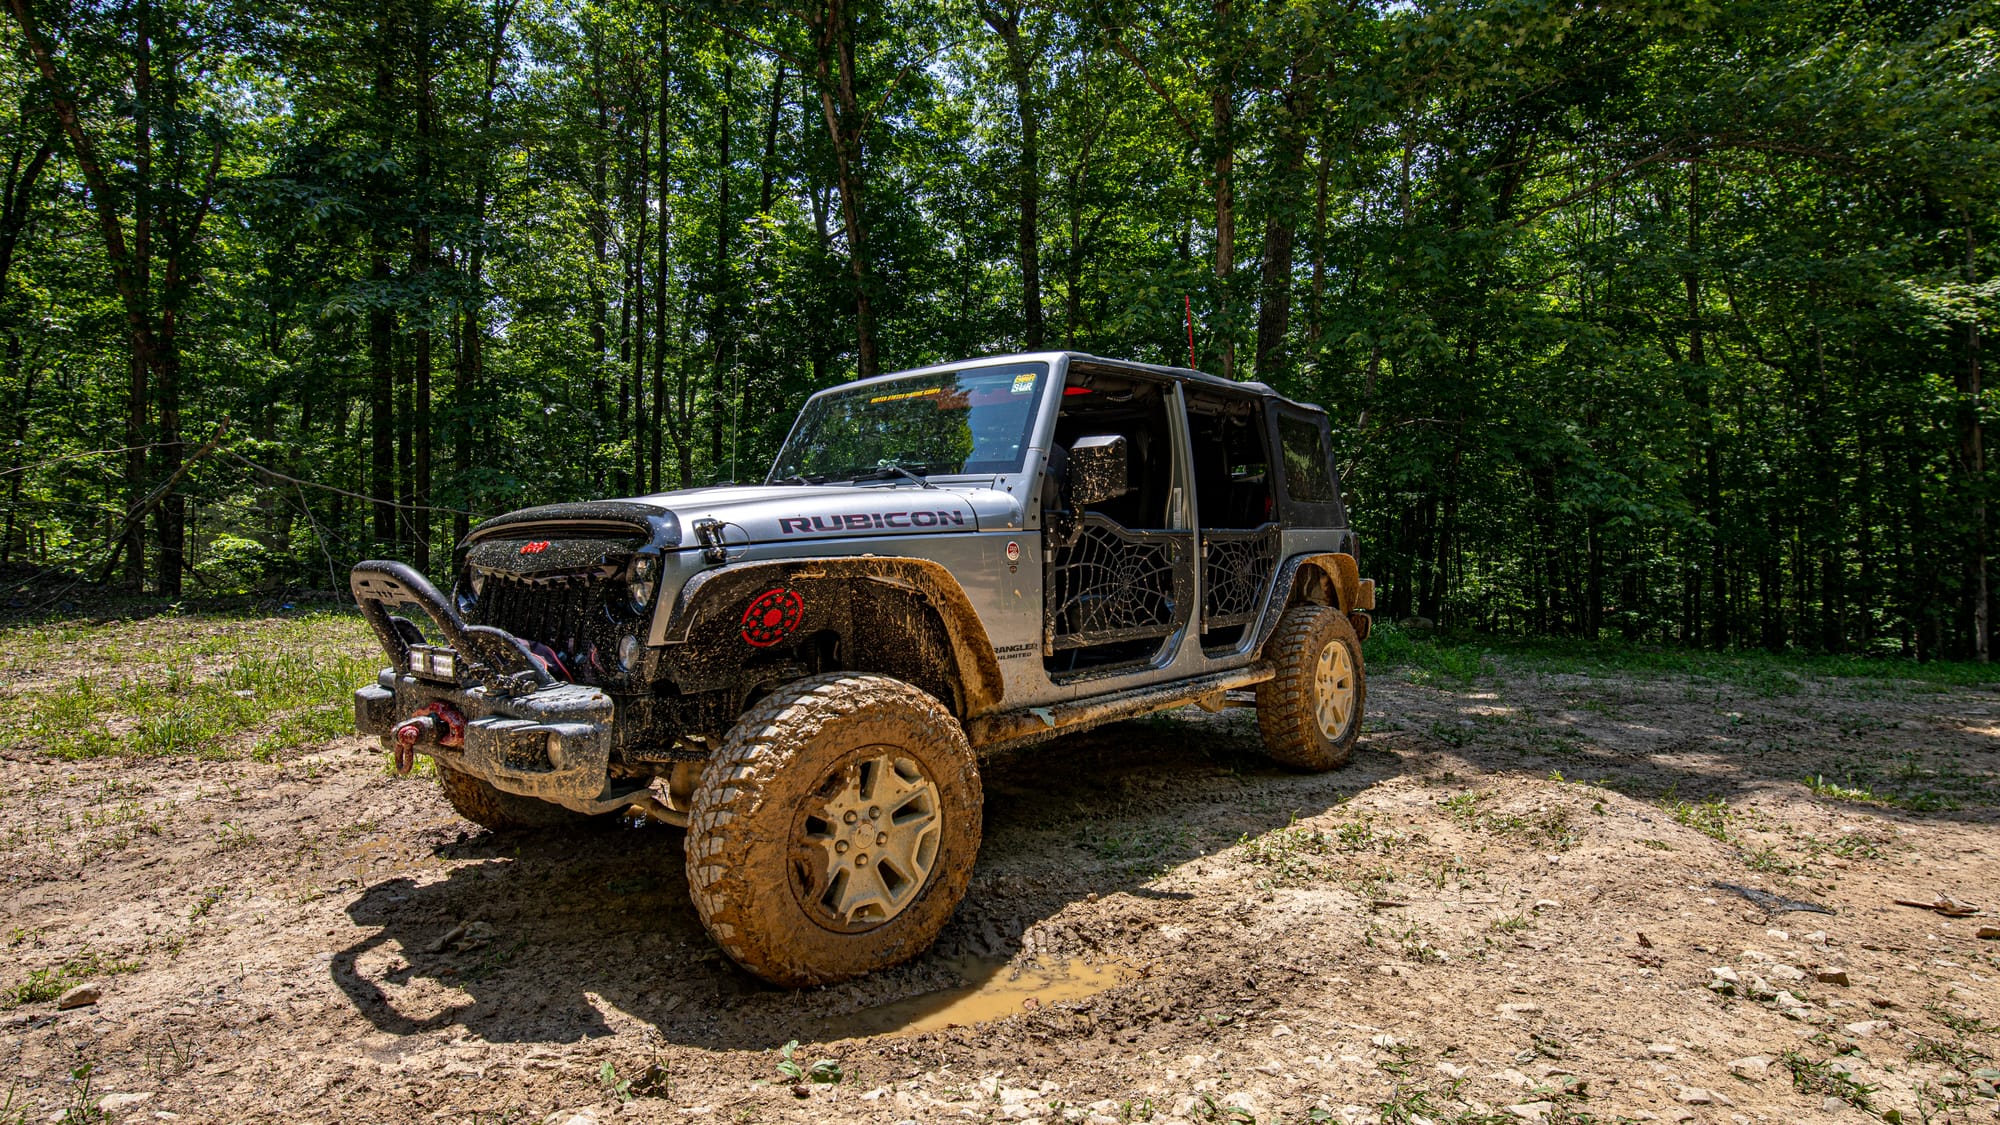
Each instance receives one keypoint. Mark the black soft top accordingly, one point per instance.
(1244, 388)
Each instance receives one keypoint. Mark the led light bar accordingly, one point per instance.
(434, 662)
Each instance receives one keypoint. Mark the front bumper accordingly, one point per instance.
(525, 733)
(553, 744)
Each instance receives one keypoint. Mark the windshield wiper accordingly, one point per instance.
(888, 471)
(799, 478)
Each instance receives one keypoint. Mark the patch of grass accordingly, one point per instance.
(1849, 846)
(1768, 860)
(42, 985)
(1919, 800)
(82, 1108)
(1424, 659)
(1291, 852)
(1961, 1025)
(1710, 818)
(1207, 1110)
(824, 1071)
(310, 726)
(1955, 1055)
(183, 685)
(1763, 674)
(1820, 1078)
(206, 902)
(1546, 826)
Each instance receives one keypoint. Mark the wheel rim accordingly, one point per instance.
(867, 841)
(1333, 684)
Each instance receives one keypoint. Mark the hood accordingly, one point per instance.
(797, 513)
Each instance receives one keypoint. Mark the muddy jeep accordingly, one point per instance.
(942, 565)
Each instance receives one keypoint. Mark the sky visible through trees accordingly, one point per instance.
(1662, 320)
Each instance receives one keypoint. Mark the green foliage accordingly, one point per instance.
(825, 1071)
(1710, 818)
(1822, 1078)
(42, 985)
(1658, 323)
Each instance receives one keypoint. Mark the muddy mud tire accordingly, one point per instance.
(816, 766)
(1310, 712)
(492, 808)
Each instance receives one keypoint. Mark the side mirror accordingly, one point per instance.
(1097, 470)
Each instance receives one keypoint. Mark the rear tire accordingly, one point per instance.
(834, 832)
(501, 811)
(1310, 712)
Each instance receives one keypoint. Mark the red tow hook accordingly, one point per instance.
(437, 722)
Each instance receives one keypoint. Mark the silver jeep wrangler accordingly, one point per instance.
(943, 564)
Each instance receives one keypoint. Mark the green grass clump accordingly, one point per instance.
(1710, 818)
(1810, 1077)
(1460, 657)
(1423, 659)
(168, 685)
(1550, 827)
(43, 985)
(1293, 853)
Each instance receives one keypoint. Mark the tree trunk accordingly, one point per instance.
(471, 350)
(419, 515)
(642, 208)
(833, 31)
(660, 406)
(382, 401)
(1027, 110)
(1222, 111)
(1314, 322)
(600, 235)
(718, 333)
(1274, 305)
(1972, 450)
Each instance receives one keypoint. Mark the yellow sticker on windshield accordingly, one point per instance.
(904, 395)
(1024, 383)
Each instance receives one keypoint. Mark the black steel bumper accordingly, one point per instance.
(525, 733)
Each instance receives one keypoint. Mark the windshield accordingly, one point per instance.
(975, 420)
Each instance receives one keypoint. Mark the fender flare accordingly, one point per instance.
(729, 587)
(1331, 578)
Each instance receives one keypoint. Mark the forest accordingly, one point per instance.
(1661, 321)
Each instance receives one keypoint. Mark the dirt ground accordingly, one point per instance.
(1516, 904)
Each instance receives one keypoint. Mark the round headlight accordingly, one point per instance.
(628, 652)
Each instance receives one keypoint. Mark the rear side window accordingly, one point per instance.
(1306, 475)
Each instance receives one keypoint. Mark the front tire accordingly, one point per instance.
(834, 832)
(1310, 712)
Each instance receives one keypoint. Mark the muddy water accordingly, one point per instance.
(994, 989)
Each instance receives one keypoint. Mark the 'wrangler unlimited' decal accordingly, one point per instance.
(862, 521)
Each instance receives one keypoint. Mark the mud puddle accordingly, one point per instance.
(994, 990)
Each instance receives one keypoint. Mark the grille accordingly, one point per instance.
(573, 614)
(1110, 584)
(1236, 566)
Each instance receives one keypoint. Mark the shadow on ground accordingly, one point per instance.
(592, 932)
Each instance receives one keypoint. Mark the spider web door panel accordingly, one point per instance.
(1108, 584)
(1236, 569)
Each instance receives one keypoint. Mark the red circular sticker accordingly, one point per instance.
(772, 616)
(1013, 551)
